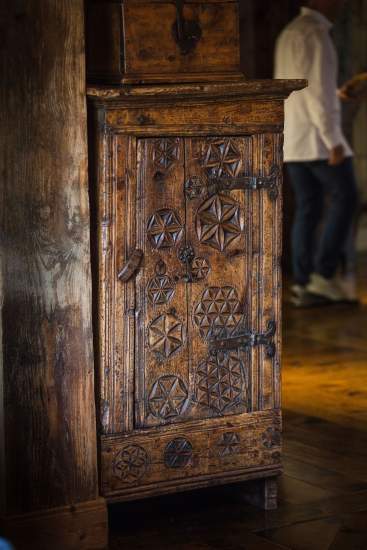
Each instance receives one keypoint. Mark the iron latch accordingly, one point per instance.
(196, 267)
(245, 340)
(217, 184)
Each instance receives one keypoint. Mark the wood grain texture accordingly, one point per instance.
(49, 419)
(265, 89)
(78, 527)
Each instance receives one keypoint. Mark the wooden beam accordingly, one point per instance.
(48, 415)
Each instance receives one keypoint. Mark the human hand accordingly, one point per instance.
(344, 93)
(336, 155)
(354, 89)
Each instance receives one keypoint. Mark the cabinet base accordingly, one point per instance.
(81, 526)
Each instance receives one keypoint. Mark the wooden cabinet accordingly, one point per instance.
(186, 187)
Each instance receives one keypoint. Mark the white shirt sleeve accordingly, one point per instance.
(317, 58)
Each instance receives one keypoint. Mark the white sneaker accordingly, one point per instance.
(327, 288)
(348, 284)
(300, 297)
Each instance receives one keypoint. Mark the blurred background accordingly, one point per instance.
(261, 23)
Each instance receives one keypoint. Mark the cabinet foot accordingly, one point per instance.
(262, 493)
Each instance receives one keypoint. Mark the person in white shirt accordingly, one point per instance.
(317, 156)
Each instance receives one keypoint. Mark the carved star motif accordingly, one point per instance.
(200, 268)
(130, 464)
(222, 157)
(229, 444)
(164, 228)
(160, 289)
(165, 335)
(165, 152)
(219, 221)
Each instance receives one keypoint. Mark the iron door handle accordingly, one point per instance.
(131, 266)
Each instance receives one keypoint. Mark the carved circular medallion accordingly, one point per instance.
(219, 222)
(130, 464)
(200, 268)
(271, 438)
(218, 310)
(166, 335)
(178, 453)
(220, 382)
(160, 288)
(165, 152)
(168, 397)
(164, 228)
(194, 187)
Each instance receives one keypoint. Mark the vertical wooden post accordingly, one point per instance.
(47, 425)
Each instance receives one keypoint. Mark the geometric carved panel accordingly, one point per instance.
(219, 221)
(178, 453)
(166, 334)
(164, 228)
(168, 397)
(218, 309)
(130, 464)
(220, 382)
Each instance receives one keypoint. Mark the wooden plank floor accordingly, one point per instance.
(323, 492)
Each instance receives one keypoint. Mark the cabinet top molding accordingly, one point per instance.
(259, 88)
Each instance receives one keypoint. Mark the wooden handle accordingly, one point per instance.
(131, 266)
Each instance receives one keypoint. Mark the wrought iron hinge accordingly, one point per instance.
(245, 340)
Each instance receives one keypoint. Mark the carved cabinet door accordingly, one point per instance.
(206, 292)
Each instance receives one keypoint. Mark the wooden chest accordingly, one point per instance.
(186, 187)
(162, 40)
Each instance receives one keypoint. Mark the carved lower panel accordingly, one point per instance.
(191, 453)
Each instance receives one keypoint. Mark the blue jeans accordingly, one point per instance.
(322, 193)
